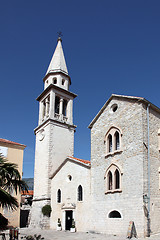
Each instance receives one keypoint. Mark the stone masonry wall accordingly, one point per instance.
(129, 202)
(154, 124)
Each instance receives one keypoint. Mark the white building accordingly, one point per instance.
(120, 184)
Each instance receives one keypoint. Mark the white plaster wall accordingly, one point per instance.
(61, 145)
(50, 80)
(80, 176)
(51, 150)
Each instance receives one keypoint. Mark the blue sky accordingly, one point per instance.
(110, 47)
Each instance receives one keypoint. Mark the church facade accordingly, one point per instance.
(120, 184)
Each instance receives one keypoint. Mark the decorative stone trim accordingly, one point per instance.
(113, 191)
(113, 153)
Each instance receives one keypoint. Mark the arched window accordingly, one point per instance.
(59, 196)
(116, 137)
(80, 193)
(113, 140)
(63, 81)
(117, 179)
(109, 180)
(113, 179)
(114, 214)
(54, 80)
(109, 143)
(57, 104)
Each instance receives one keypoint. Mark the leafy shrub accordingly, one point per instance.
(46, 210)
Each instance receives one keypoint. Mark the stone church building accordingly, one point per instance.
(120, 184)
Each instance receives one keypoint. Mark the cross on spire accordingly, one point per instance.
(60, 34)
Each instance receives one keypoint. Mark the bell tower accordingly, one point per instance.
(55, 131)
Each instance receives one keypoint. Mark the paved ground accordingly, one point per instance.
(62, 235)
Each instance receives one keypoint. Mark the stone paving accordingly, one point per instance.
(66, 235)
(63, 235)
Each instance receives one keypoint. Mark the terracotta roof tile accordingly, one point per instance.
(30, 192)
(81, 160)
(10, 142)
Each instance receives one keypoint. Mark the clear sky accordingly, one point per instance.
(110, 46)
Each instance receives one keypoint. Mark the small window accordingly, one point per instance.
(114, 107)
(54, 80)
(80, 193)
(69, 178)
(114, 214)
(63, 81)
(59, 196)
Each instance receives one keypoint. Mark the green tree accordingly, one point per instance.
(10, 180)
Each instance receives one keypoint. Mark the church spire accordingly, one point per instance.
(58, 63)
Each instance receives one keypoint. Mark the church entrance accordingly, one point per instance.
(69, 216)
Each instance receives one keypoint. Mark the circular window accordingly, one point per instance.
(114, 107)
(69, 178)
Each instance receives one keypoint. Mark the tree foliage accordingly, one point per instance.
(46, 210)
(10, 182)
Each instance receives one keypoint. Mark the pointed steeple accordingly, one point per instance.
(58, 62)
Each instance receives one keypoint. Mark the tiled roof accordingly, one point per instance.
(29, 192)
(10, 142)
(81, 160)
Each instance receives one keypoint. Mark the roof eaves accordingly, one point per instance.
(5, 141)
(57, 88)
(81, 161)
(72, 160)
(100, 112)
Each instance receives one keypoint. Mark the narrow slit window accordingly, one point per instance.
(59, 196)
(117, 143)
(110, 143)
(117, 179)
(109, 180)
(80, 193)
(63, 81)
